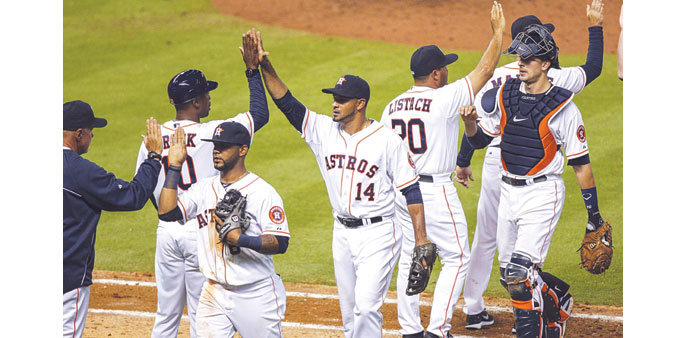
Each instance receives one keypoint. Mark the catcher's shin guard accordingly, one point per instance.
(502, 279)
(527, 312)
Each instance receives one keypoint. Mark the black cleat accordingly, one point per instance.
(476, 322)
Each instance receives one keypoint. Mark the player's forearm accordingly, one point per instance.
(418, 219)
(594, 57)
(277, 89)
(258, 101)
(486, 65)
(465, 152)
(169, 194)
(585, 176)
(265, 244)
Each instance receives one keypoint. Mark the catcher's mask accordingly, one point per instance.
(536, 41)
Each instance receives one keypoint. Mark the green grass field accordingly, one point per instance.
(119, 57)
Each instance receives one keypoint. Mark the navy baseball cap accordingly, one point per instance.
(350, 86)
(188, 85)
(428, 58)
(230, 132)
(521, 23)
(78, 114)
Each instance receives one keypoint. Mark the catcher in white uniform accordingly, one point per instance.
(427, 119)
(537, 122)
(242, 292)
(178, 279)
(484, 241)
(362, 163)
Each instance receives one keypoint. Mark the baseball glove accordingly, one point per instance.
(231, 210)
(419, 275)
(597, 249)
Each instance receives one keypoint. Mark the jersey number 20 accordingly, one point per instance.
(416, 140)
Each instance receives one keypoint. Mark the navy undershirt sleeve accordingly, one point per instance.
(293, 109)
(258, 101)
(412, 194)
(594, 57)
(171, 216)
(480, 140)
(581, 160)
(465, 152)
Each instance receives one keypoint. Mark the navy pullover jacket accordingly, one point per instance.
(86, 190)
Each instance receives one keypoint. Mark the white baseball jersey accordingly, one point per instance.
(199, 163)
(266, 212)
(566, 126)
(570, 78)
(359, 170)
(427, 120)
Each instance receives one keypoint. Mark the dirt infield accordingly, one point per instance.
(128, 311)
(461, 25)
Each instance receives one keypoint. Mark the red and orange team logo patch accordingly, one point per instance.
(277, 215)
(581, 134)
(410, 162)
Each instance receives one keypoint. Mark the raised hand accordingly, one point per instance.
(178, 152)
(152, 141)
(594, 13)
(497, 18)
(249, 50)
(468, 114)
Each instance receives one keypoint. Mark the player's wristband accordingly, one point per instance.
(172, 177)
(250, 242)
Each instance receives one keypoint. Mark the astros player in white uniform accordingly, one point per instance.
(484, 241)
(537, 122)
(178, 280)
(427, 119)
(242, 293)
(362, 163)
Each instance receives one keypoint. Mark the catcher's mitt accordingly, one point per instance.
(597, 249)
(231, 210)
(418, 276)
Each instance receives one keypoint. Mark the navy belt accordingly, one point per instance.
(356, 222)
(519, 182)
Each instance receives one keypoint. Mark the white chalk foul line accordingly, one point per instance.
(284, 324)
(387, 301)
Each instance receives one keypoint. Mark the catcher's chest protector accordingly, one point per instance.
(528, 145)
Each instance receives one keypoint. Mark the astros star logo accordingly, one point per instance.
(341, 81)
(218, 131)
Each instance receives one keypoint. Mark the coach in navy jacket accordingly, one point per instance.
(88, 189)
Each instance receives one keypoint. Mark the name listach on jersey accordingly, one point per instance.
(410, 103)
(337, 161)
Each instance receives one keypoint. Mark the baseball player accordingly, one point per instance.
(178, 279)
(427, 118)
(362, 163)
(484, 241)
(537, 121)
(242, 293)
(87, 190)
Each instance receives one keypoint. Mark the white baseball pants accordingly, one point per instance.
(485, 236)
(527, 219)
(75, 305)
(254, 310)
(178, 279)
(364, 259)
(445, 225)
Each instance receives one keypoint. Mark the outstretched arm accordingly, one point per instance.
(594, 57)
(486, 65)
(176, 155)
(258, 99)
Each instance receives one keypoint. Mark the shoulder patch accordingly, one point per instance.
(488, 100)
(277, 215)
(581, 134)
